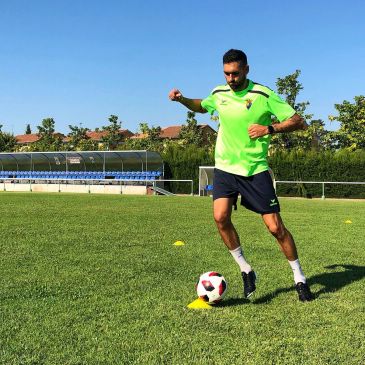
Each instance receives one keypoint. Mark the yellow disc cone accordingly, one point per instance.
(199, 304)
(179, 243)
(348, 221)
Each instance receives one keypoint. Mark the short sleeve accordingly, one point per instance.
(278, 107)
(209, 104)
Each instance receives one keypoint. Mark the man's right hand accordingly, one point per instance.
(175, 95)
(192, 104)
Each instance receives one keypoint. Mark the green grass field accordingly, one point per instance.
(90, 279)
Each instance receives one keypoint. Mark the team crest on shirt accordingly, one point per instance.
(248, 103)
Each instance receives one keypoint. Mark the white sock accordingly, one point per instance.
(297, 271)
(240, 259)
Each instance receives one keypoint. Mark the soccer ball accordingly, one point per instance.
(211, 287)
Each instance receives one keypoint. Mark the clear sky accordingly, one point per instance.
(79, 61)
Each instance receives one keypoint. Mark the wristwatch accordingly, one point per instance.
(271, 129)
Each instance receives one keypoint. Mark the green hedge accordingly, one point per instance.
(320, 166)
(182, 162)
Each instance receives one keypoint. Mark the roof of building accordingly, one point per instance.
(96, 136)
(171, 132)
(33, 137)
(27, 138)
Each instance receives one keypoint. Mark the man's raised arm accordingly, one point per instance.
(192, 104)
(296, 122)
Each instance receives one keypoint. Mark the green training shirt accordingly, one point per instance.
(235, 151)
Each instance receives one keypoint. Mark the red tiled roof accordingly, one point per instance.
(97, 136)
(26, 138)
(33, 137)
(172, 131)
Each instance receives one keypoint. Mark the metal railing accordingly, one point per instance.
(323, 183)
(156, 182)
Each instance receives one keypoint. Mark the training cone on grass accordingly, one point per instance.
(179, 243)
(199, 304)
(348, 221)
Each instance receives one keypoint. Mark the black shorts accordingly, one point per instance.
(257, 191)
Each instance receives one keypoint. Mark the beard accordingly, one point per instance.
(238, 86)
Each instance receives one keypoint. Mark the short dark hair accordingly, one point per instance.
(235, 55)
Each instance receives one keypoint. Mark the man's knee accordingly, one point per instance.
(277, 229)
(222, 218)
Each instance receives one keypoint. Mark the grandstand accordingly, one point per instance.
(80, 175)
(69, 171)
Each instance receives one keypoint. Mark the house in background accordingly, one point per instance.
(27, 139)
(97, 136)
(173, 132)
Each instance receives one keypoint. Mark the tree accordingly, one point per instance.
(351, 117)
(7, 141)
(143, 128)
(191, 133)
(28, 130)
(78, 137)
(316, 136)
(48, 141)
(113, 136)
(154, 134)
(151, 138)
(87, 145)
(46, 129)
(289, 87)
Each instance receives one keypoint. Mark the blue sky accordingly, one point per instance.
(80, 61)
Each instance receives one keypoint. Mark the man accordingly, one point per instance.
(245, 109)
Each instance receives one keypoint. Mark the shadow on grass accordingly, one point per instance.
(232, 302)
(331, 281)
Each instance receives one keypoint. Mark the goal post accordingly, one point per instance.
(206, 174)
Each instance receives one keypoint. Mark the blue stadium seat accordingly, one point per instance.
(90, 175)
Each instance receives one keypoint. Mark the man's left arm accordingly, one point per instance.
(296, 122)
